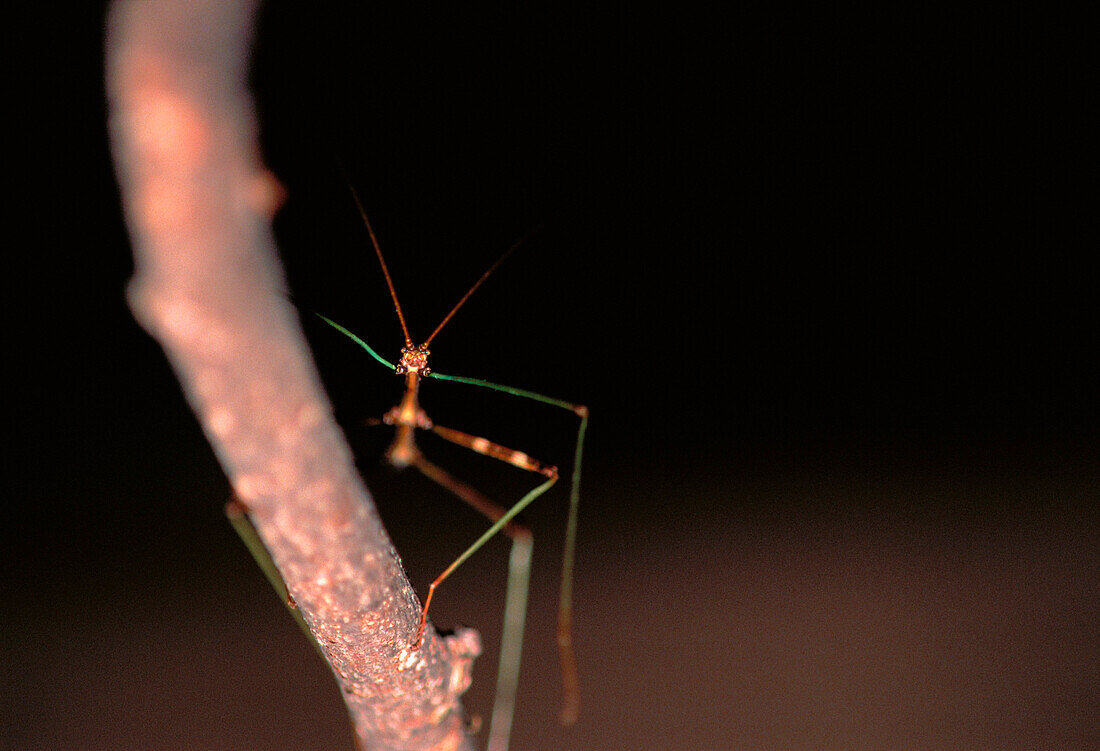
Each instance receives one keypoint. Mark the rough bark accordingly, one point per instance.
(209, 287)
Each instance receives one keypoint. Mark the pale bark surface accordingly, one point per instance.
(209, 287)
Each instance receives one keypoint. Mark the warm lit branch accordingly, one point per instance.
(208, 286)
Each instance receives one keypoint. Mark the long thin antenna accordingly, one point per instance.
(473, 289)
(385, 269)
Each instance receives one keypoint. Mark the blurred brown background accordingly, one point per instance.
(819, 275)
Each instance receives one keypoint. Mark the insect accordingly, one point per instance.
(409, 417)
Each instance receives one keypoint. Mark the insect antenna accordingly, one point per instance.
(477, 284)
(386, 270)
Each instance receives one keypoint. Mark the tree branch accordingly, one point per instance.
(209, 287)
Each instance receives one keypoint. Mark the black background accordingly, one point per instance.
(821, 276)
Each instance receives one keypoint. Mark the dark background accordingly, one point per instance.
(821, 276)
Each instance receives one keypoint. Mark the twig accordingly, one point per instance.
(208, 286)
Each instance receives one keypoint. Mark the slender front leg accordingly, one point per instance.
(515, 600)
(517, 458)
(571, 689)
(520, 460)
(519, 575)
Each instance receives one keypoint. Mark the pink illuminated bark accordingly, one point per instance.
(209, 287)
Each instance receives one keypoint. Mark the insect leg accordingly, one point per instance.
(515, 602)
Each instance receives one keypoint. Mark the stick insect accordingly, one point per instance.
(408, 417)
